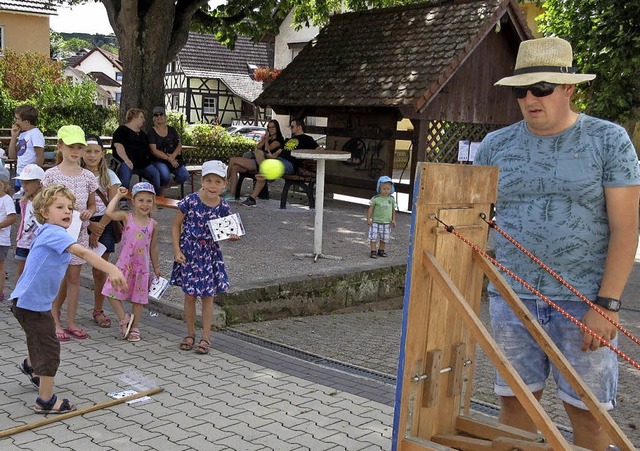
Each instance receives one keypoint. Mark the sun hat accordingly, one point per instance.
(216, 167)
(545, 59)
(31, 172)
(72, 134)
(385, 179)
(158, 109)
(142, 186)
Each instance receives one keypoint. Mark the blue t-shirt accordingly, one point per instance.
(551, 200)
(44, 269)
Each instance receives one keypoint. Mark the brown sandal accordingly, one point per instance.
(203, 346)
(188, 342)
(100, 318)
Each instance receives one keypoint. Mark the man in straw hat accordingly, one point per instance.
(568, 191)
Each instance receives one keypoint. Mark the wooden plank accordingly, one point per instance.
(490, 429)
(432, 383)
(555, 355)
(462, 443)
(418, 444)
(509, 444)
(495, 354)
(457, 362)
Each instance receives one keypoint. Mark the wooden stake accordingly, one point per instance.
(63, 416)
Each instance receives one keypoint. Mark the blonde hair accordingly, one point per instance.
(47, 196)
(132, 113)
(103, 170)
(6, 187)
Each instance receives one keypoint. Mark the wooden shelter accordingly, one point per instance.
(433, 63)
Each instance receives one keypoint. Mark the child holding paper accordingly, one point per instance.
(139, 246)
(199, 266)
(82, 183)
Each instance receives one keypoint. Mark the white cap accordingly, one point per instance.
(216, 167)
(31, 172)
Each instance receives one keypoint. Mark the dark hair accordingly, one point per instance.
(279, 136)
(28, 113)
(90, 137)
(299, 121)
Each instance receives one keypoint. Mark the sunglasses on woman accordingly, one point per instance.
(543, 89)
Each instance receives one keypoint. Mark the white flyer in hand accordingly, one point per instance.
(76, 225)
(158, 287)
(223, 228)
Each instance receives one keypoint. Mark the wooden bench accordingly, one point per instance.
(306, 184)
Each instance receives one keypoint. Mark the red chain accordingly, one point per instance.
(559, 278)
(529, 287)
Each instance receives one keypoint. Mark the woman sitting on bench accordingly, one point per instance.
(270, 146)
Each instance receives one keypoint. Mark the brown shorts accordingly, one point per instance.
(43, 346)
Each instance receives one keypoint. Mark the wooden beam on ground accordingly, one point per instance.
(490, 429)
(554, 354)
(52, 418)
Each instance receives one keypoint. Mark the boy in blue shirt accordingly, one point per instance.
(38, 285)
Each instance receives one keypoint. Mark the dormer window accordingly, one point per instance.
(251, 68)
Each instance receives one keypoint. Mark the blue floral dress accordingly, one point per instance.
(204, 273)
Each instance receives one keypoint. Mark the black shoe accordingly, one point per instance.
(249, 202)
(373, 254)
(381, 253)
(27, 370)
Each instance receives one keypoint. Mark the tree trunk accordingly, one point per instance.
(150, 34)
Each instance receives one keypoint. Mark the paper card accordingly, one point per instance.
(223, 228)
(473, 150)
(158, 287)
(99, 249)
(125, 393)
(463, 150)
(76, 225)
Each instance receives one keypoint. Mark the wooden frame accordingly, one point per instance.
(441, 327)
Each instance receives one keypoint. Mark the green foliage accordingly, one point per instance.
(23, 74)
(177, 120)
(77, 44)
(32, 78)
(213, 143)
(606, 41)
(67, 103)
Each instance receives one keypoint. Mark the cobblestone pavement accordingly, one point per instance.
(371, 339)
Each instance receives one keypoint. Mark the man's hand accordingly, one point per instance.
(598, 324)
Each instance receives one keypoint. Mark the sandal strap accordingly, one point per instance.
(48, 405)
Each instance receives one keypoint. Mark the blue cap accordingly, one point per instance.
(385, 179)
(142, 186)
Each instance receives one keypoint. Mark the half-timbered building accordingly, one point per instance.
(210, 83)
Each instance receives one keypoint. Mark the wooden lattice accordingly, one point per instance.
(443, 138)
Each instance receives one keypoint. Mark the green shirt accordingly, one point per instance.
(382, 209)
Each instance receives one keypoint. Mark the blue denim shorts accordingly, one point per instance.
(107, 237)
(598, 369)
(288, 166)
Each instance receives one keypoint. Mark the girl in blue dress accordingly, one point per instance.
(198, 267)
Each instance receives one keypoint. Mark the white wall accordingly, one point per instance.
(288, 34)
(96, 62)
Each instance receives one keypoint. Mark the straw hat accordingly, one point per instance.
(544, 59)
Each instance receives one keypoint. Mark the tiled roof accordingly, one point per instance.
(385, 57)
(104, 80)
(203, 53)
(30, 6)
(204, 57)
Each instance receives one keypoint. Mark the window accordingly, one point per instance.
(118, 97)
(175, 102)
(208, 105)
(118, 76)
(1, 40)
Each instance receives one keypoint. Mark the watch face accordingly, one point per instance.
(609, 304)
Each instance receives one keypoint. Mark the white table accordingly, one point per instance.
(321, 156)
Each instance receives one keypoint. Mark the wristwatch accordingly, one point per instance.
(610, 304)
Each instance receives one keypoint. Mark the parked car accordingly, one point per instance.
(242, 129)
(256, 135)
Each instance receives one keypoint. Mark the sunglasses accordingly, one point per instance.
(538, 90)
(158, 114)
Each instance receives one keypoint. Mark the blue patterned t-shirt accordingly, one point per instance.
(551, 200)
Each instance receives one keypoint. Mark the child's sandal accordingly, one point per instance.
(100, 318)
(134, 334)
(188, 342)
(125, 325)
(203, 347)
(373, 254)
(381, 253)
(48, 407)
